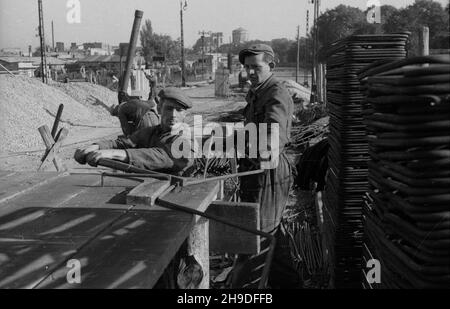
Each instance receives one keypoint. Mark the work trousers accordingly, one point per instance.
(271, 190)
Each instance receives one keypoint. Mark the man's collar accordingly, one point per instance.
(263, 85)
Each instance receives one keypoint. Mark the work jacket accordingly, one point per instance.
(151, 148)
(137, 114)
(269, 103)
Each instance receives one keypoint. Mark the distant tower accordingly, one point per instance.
(240, 35)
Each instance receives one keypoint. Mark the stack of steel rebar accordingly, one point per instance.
(407, 207)
(348, 154)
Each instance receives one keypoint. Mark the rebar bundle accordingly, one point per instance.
(407, 207)
(348, 154)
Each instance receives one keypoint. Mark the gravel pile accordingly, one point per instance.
(97, 98)
(26, 104)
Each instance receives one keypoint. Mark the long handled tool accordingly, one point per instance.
(132, 171)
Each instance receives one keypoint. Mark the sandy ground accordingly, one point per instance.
(205, 104)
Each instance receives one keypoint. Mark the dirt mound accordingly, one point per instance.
(27, 104)
(97, 98)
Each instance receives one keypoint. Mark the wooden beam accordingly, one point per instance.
(424, 41)
(147, 192)
(227, 239)
(49, 141)
(52, 153)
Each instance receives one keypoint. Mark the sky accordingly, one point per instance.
(110, 21)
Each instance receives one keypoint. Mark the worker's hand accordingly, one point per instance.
(115, 154)
(81, 153)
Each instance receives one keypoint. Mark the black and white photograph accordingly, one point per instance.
(225, 150)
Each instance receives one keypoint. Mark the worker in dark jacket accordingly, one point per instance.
(153, 148)
(268, 102)
(135, 114)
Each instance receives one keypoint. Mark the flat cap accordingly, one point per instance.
(255, 49)
(176, 95)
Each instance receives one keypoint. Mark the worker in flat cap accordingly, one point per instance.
(149, 148)
(268, 101)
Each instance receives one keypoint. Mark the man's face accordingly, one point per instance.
(171, 114)
(257, 69)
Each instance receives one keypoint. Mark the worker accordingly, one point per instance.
(135, 114)
(268, 101)
(149, 148)
(152, 82)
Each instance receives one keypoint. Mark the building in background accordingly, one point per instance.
(11, 51)
(240, 35)
(216, 40)
(59, 46)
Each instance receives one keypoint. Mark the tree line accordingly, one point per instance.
(333, 24)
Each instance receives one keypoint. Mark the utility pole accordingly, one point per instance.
(315, 48)
(183, 77)
(202, 33)
(305, 79)
(203, 55)
(42, 42)
(53, 37)
(298, 54)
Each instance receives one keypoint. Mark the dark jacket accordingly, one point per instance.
(270, 103)
(151, 149)
(137, 114)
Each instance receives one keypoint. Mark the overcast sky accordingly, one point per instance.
(110, 21)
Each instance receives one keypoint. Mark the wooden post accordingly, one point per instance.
(424, 41)
(198, 246)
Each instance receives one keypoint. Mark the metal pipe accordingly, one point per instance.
(198, 181)
(131, 50)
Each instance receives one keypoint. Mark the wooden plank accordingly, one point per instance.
(147, 192)
(51, 193)
(47, 241)
(33, 249)
(49, 141)
(35, 258)
(132, 253)
(13, 184)
(227, 239)
(34, 241)
(196, 197)
(52, 152)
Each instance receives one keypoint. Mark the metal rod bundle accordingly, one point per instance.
(346, 180)
(407, 208)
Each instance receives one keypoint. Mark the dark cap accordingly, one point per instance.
(176, 95)
(255, 49)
